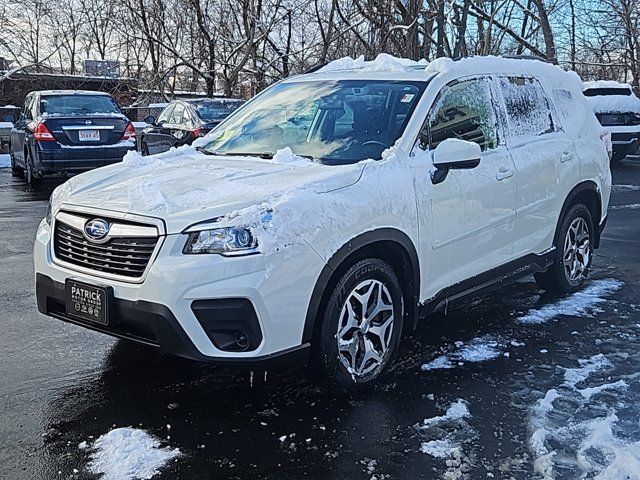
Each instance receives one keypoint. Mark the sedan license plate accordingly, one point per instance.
(89, 135)
(87, 302)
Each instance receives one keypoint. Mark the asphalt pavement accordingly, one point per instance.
(517, 384)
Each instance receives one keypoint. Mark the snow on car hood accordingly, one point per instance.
(185, 186)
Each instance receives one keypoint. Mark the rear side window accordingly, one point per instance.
(176, 116)
(465, 111)
(597, 92)
(166, 114)
(528, 110)
(78, 105)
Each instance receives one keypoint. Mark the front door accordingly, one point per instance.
(472, 212)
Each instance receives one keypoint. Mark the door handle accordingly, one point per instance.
(504, 173)
(566, 156)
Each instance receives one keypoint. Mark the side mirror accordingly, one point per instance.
(454, 153)
(150, 119)
(10, 117)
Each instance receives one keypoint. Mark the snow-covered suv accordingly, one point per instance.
(618, 110)
(320, 220)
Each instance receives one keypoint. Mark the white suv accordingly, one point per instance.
(324, 216)
(618, 110)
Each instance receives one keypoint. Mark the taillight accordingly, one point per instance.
(129, 132)
(42, 133)
(198, 132)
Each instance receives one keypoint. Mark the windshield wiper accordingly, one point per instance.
(266, 156)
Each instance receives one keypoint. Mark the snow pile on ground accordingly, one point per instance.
(576, 304)
(575, 429)
(128, 453)
(444, 437)
(382, 63)
(479, 349)
(5, 161)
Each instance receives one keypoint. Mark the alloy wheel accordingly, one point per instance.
(365, 327)
(577, 251)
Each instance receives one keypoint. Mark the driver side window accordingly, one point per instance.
(464, 111)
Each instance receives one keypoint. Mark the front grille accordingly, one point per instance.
(125, 256)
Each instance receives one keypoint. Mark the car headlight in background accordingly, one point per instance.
(227, 241)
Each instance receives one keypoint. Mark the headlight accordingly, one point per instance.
(47, 217)
(227, 241)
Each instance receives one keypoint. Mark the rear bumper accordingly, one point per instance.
(155, 325)
(625, 142)
(54, 158)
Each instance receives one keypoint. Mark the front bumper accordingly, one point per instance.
(166, 308)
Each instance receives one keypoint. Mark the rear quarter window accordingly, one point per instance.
(528, 109)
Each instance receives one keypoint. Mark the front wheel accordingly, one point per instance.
(361, 325)
(574, 252)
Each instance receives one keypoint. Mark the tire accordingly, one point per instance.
(575, 244)
(369, 346)
(32, 179)
(144, 149)
(16, 171)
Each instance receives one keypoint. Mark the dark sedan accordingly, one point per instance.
(182, 121)
(68, 131)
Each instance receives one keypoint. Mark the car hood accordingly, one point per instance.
(184, 186)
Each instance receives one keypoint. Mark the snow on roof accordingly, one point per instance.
(382, 63)
(605, 84)
(72, 92)
(385, 64)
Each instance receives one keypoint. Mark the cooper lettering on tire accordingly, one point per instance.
(361, 326)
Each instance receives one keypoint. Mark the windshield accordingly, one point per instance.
(78, 105)
(596, 92)
(216, 110)
(335, 122)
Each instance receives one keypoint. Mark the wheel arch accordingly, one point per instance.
(388, 244)
(588, 194)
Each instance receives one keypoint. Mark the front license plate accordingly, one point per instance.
(89, 135)
(88, 302)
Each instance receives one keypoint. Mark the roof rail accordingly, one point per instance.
(315, 68)
(528, 57)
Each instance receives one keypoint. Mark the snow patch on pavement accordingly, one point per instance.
(479, 349)
(5, 161)
(129, 453)
(631, 206)
(625, 188)
(444, 437)
(576, 304)
(576, 432)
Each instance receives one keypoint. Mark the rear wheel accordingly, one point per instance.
(16, 171)
(574, 252)
(361, 326)
(144, 149)
(33, 180)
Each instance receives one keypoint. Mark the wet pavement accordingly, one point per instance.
(553, 397)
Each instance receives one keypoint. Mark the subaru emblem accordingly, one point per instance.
(96, 229)
(87, 122)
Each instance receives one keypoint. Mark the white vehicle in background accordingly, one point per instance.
(617, 109)
(320, 219)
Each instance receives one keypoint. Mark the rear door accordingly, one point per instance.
(20, 129)
(472, 212)
(539, 148)
(153, 134)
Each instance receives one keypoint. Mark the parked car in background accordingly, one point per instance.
(68, 131)
(182, 121)
(617, 109)
(333, 209)
(6, 125)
